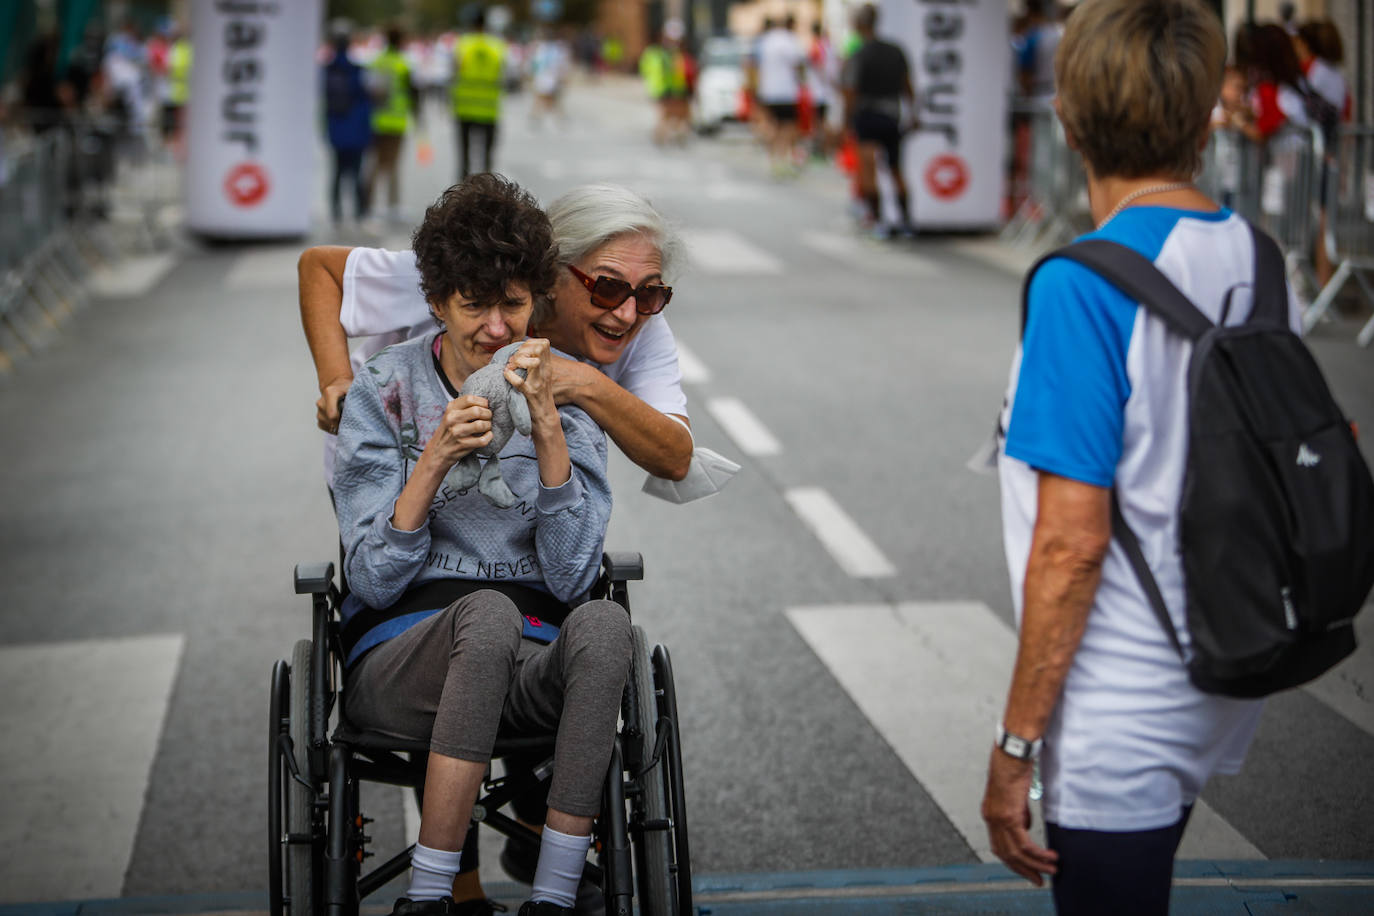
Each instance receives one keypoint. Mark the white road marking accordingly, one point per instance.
(1348, 688)
(727, 190)
(891, 259)
(132, 277)
(724, 252)
(838, 533)
(932, 678)
(694, 371)
(740, 424)
(81, 721)
(272, 267)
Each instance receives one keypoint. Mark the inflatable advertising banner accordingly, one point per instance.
(960, 60)
(252, 117)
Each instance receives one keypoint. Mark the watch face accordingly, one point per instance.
(1015, 746)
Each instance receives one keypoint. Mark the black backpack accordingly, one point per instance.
(1319, 109)
(1276, 516)
(340, 94)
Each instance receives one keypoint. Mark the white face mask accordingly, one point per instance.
(706, 475)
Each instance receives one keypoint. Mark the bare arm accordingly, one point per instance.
(1072, 533)
(648, 437)
(320, 271)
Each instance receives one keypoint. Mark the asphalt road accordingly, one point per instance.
(162, 476)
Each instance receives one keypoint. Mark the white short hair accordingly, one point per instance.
(591, 215)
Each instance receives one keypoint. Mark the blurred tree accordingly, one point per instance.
(365, 12)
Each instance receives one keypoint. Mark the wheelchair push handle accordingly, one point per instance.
(623, 565)
(314, 578)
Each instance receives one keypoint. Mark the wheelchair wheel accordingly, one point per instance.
(276, 777)
(666, 689)
(302, 843)
(650, 821)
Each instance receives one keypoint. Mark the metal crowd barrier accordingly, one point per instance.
(1279, 185)
(75, 193)
(38, 269)
(1055, 205)
(1349, 236)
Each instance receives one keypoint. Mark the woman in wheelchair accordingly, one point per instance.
(438, 633)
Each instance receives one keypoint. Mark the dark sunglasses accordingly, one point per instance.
(608, 293)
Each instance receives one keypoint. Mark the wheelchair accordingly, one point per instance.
(317, 834)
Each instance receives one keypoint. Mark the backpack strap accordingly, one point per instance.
(1136, 276)
(1271, 281)
(1131, 544)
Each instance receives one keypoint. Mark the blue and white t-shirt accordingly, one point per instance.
(1098, 394)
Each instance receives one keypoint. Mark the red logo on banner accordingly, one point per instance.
(246, 184)
(947, 176)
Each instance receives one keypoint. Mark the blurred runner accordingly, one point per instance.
(479, 62)
(348, 116)
(178, 90)
(664, 68)
(879, 99)
(781, 69)
(394, 99)
(549, 63)
(822, 78)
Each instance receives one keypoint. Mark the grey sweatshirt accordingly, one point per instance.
(551, 539)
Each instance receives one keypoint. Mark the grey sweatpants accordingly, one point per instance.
(456, 677)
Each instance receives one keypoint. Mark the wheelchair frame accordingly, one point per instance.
(317, 840)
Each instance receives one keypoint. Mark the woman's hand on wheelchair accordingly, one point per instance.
(329, 407)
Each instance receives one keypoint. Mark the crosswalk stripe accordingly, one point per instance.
(838, 533)
(81, 721)
(694, 371)
(725, 252)
(932, 678)
(745, 429)
(132, 277)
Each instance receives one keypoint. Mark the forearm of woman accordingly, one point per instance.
(648, 437)
(412, 506)
(546, 431)
(320, 273)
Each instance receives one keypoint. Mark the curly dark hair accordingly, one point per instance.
(479, 237)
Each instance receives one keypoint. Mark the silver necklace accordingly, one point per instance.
(1141, 192)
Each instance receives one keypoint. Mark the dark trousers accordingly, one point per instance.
(1125, 874)
(348, 166)
(485, 134)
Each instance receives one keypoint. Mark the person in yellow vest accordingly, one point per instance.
(479, 68)
(664, 68)
(394, 98)
(178, 89)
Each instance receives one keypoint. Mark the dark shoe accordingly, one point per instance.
(544, 908)
(478, 907)
(444, 906)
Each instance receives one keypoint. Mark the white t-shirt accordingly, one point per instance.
(779, 56)
(382, 304)
(1098, 394)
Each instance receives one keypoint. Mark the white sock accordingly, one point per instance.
(561, 859)
(431, 873)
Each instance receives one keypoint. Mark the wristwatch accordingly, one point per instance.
(1016, 746)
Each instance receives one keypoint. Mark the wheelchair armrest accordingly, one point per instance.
(314, 578)
(623, 565)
